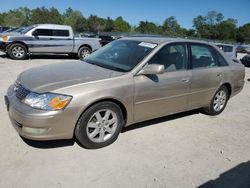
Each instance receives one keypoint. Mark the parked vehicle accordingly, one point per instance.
(4, 28)
(127, 81)
(10, 29)
(13, 31)
(229, 49)
(246, 60)
(47, 38)
(243, 49)
(105, 39)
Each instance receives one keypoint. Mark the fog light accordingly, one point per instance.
(34, 130)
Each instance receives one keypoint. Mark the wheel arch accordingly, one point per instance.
(18, 42)
(85, 45)
(229, 88)
(117, 102)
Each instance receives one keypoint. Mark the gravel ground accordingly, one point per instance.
(184, 150)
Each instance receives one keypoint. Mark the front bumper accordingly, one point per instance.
(37, 124)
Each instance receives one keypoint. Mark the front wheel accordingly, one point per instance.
(100, 125)
(84, 52)
(17, 51)
(219, 101)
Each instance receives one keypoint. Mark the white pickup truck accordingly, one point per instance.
(47, 38)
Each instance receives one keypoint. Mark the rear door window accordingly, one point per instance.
(61, 33)
(202, 56)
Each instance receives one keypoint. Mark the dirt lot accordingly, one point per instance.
(185, 150)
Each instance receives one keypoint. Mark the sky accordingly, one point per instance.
(135, 11)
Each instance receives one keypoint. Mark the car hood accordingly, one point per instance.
(12, 34)
(55, 76)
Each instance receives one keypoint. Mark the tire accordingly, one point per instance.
(100, 125)
(220, 98)
(17, 51)
(84, 52)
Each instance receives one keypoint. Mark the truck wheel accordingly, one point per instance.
(17, 51)
(84, 52)
(100, 125)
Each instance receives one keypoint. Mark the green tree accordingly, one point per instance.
(43, 15)
(17, 17)
(243, 34)
(148, 28)
(96, 24)
(227, 29)
(171, 27)
(75, 19)
(121, 25)
(110, 25)
(213, 26)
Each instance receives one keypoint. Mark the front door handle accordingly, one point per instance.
(185, 80)
(219, 75)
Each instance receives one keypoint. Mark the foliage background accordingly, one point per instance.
(211, 26)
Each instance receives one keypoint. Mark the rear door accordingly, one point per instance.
(64, 43)
(206, 74)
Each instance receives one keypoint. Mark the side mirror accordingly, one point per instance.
(152, 69)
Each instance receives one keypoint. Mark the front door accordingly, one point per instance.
(167, 93)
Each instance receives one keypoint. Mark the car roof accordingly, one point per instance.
(52, 26)
(160, 40)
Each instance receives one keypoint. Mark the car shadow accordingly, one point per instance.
(160, 120)
(237, 177)
(49, 144)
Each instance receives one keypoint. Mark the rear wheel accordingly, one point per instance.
(219, 101)
(17, 51)
(100, 125)
(84, 52)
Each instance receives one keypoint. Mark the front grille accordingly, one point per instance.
(20, 91)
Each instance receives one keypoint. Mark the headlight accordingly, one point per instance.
(4, 38)
(47, 101)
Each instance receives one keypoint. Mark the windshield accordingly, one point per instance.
(121, 55)
(27, 29)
